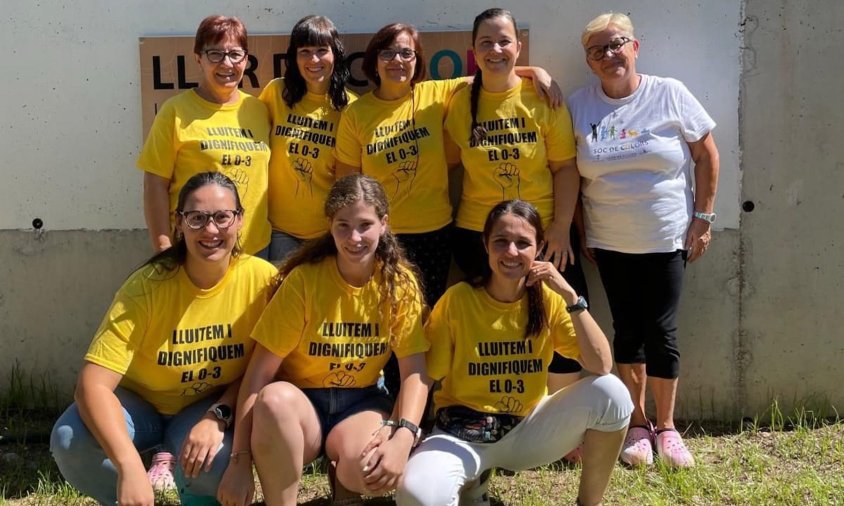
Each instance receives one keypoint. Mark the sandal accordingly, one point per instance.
(160, 472)
(637, 449)
(672, 450)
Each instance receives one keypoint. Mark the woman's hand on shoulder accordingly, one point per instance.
(558, 246)
(547, 88)
(201, 446)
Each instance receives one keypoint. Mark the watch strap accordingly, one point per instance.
(707, 217)
(578, 306)
(413, 428)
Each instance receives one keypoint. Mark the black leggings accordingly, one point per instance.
(643, 291)
(430, 252)
(471, 257)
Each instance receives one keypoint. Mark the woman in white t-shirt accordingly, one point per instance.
(637, 136)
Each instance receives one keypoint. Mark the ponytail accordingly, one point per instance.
(477, 133)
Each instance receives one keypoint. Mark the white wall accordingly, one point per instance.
(71, 119)
(70, 131)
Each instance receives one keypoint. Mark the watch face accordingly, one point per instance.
(223, 412)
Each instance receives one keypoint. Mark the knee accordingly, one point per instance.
(430, 480)
(417, 489)
(60, 439)
(412, 491)
(273, 404)
(615, 404)
(68, 434)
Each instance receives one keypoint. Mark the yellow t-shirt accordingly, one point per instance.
(302, 162)
(175, 343)
(400, 143)
(331, 334)
(479, 351)
(192, 135)
(523, 134)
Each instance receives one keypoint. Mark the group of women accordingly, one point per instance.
(212, 354)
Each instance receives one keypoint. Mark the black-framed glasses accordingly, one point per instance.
(598, 53)
(216, 55)
(197, 220)
(405, 54)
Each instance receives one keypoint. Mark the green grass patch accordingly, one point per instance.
(775, 459)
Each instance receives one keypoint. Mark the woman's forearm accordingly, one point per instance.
(102, 413)
(261, 370)
(707, 166)
(566, 182)
(415, 384)
(595, 354)
(157, 210)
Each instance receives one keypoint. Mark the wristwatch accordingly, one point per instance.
(223, 413)
(413, 428)
(578, 306)
(707, 217)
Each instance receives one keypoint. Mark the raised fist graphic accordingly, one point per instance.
(507, 176)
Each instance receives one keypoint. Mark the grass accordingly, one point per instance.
(776, 459)
(799, 463)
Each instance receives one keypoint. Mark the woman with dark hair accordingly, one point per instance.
(214, 126)
(394, 134)
(346, 303)
(647, 212)
(512, 145)
(164, 366)
(305, 109)
(491, 343)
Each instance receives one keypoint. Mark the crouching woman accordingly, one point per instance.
(164, 366)
(490, 346)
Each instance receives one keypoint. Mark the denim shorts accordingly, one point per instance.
(333, 405)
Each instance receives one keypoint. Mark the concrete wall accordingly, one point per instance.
(790, 342)
(752, 323)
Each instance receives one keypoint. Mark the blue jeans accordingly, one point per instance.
(282, 245)
(85, 465)
(333, 405)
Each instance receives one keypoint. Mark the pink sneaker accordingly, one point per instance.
(672, 450)
(637, 449)
(161, 472)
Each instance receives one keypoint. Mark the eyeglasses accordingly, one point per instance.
(597, 53)
(197, 220)
(216, 56)
(405, 54)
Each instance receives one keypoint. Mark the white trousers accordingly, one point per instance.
(443, 466)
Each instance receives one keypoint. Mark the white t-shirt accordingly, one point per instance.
(636, 165)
